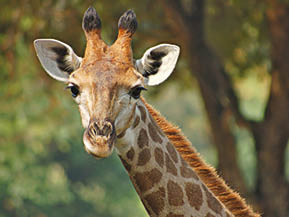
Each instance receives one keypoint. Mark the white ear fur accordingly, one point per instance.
(57, 58)
(158, 63)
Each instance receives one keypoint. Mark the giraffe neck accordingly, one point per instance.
(166, 184)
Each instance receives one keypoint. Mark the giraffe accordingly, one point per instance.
(168, 174)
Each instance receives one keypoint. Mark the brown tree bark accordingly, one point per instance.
(271, 134)
(221, 103)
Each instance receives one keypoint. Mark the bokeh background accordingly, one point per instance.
(229, 94)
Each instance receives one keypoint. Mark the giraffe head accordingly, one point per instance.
(106, 83)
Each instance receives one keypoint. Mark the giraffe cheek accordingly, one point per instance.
(124, 119)
(85, 117)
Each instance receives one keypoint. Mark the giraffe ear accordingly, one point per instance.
(57, 58)
(158, 63)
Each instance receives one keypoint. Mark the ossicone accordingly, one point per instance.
(128, 22)
(91, 20)
(91, 25)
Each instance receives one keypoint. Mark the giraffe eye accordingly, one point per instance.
(135, 91)
(74, 90)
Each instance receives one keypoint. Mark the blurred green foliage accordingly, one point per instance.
(44, 170)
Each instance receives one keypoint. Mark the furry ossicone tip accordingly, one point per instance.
(128, 22)
(91, 20)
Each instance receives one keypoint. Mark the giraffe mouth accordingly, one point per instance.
(99, 139)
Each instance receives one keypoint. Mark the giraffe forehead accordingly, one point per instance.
(106, 73)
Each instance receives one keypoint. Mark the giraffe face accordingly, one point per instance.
(106, 102)
(106, 83)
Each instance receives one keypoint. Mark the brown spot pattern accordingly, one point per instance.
(159, 156)
(126, 165)
(213, 203)
(186, 170)
(144, 157)
(154, 134)
(172, 151)
(174, 215)
(142, 139)
(175, 194)
(147, 180)
(136, 122)
(184, 163)
(170, 166)
(156, 126)
(194, 194)
(143, 113)
(188, 173)
(130, 154)
(156, 200)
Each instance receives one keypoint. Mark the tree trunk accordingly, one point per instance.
(271, 135)
(221, 103)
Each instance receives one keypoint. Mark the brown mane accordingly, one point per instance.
(208, 174)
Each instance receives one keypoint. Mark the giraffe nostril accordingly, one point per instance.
(105, 130)
(92, 131)
(89, 133)
(99, 138)
(98, 128)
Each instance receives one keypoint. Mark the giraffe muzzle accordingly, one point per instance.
(99, 138)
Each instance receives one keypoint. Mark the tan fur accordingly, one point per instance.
(208, 174)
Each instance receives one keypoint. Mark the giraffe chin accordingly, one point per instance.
(98, 146)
